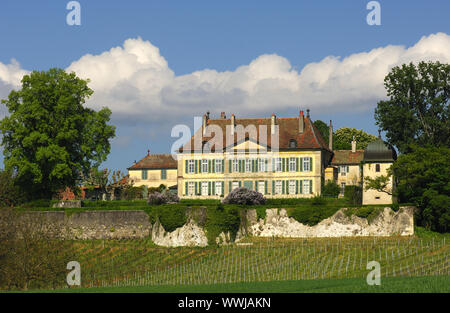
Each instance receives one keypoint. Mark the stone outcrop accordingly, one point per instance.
(189, 235)
(387, 223)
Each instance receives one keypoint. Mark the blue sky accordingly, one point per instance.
(221, 36)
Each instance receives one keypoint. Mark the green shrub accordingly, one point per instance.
(318, 200)
(222, 219)
(353, 194)
(170, 217)
(331, 189)
(311, 216)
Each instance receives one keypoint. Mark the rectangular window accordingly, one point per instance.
(343, 169)
(191, 188)
(235, 185)
(248, 165)
(144, 174)
(219, 166)
(292, 167)
(262, 187)
(306, 186)
(204, 166)
(218, 188)
(377, 167)
(204, 188)
(278, 187)
(306, 165)
(191, 166)
(292, 187)
(262, 165)
(278, 165)
(163, 173)
(235, 164)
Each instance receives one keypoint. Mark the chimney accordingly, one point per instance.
(330, 137)
(205, 119)
(272, 126)
(353, 145)
(301, 123)
(307, 113)
(207, 115)
(232, 124)
(222, 115)
(148, 152)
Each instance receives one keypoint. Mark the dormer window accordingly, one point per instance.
(292, 143)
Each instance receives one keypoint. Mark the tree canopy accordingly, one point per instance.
(342, 138)
(50, 139)
(417, 110)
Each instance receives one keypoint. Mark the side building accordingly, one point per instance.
(154, 170)
(278, 157)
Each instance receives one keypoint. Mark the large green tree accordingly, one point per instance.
(50, 139)
(342, 138)
(417, 110)
(323, 128)
(423, 178)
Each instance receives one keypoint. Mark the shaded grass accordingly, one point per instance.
(428, 284)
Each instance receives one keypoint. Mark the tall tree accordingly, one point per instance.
(323, 128)
(50, 138)
(417, 111)
(342, 138)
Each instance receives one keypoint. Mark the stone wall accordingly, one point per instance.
(135, 224)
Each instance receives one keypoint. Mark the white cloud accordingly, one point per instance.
(136, 82)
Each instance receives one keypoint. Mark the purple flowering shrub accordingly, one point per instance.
(156, 198)
(244, 195)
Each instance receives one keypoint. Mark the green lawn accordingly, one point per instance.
(432, 284)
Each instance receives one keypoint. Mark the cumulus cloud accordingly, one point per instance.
(137, 83)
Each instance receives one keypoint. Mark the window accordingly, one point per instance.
(235, 185)
(204, 188)
(248, 165)
(144, 174)
(219, 166)
(278, 165)
(292, 187)
(343, 169)
(218, 188)
(306, 165)
(262, 187)
(342, 188)
(163, 173)
(191, 188)
(292, 143)
(292, 167)
(306, 186)
(191, 166)
(377, 167)
(262, 165)
(204, 166)
(235, 164)
(278, 187)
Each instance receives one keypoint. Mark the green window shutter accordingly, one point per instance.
(229, 186)
(240, 184)
(196, 166)
(287, 186)
(200, 166)
(163, 174)
(213, 184)
(230, 168)
(265, 187)
(186, 166)
(196, 188)
(284, 164)
(348, 169)
(242, 166)
(311, 164)
(209, 166)
(185, 188)
(283, 190)
(273, 187)
(301, 164)
(213, 166)
(257, 165)
(266, 162)
(296, 186)
(209, 188)
(256, 185)
(310, 186)
(223, 187)
(222, 167)
(253, 166)
(301, 186)
(296, 165)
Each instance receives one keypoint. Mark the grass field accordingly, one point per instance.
(432, 284)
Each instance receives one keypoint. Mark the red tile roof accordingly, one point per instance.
(347, 157)
(288, 130)
(155, 161)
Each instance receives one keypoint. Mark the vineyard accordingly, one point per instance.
(121, 263)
